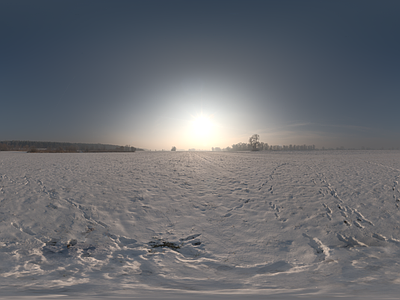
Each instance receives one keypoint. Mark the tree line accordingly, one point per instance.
(254, 144)
(34, 146)
(264, 147)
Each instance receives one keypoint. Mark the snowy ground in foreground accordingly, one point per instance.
(200, 225)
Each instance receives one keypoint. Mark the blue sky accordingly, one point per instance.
(143, 72)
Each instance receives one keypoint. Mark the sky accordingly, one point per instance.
(201, 74)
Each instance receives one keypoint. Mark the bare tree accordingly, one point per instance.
(254, 142)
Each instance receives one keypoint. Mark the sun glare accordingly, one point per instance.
(202, 126)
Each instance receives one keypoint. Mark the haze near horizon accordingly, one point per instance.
(201, 74)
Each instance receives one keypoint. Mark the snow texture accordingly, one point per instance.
(200, 224)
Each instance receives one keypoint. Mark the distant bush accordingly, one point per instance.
(33, 150)
(3, 147)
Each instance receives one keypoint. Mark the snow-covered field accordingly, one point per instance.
(200, 225)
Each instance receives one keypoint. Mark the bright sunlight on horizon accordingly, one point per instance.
(201, 127)
(201, 131)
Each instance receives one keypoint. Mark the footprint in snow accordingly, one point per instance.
(320, 249)
(276, 267)
(350, 241)
(128, 242)
(361, 218)
(358, 225)
(379, 237)
(327, 208)
(347, 223)
(190, 237)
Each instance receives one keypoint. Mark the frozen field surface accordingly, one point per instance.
(199, 225)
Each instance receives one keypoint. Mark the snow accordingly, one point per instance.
(178, 225)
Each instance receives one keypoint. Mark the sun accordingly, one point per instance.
(202, 131)
(202, 126)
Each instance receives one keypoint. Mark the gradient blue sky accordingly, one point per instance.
(139, 72)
